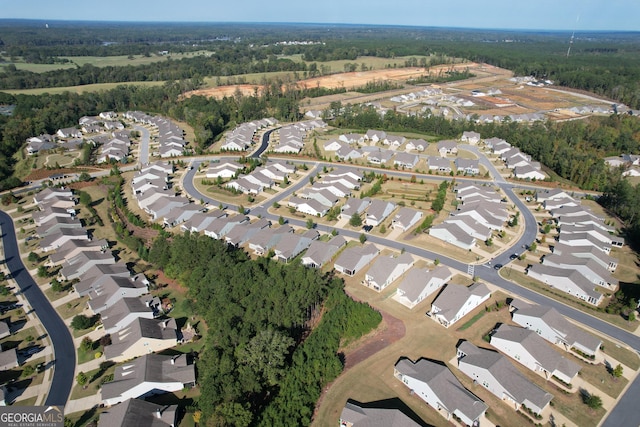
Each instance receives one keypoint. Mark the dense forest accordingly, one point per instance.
(274, 330)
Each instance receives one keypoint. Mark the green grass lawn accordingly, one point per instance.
(95, 377)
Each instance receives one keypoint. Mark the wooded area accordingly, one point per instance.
(274, 330)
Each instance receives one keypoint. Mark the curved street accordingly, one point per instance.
(63, 348)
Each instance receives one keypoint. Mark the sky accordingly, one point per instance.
(571, 15)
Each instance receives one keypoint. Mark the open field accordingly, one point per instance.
(98, 87)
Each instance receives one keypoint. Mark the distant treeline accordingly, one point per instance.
(607, 64)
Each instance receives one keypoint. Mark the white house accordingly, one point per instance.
(456, 301)
(420, 283)
(353, 259)
(386, 269)
(435, 384)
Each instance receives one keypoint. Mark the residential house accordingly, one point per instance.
(493, 371)
(222, 226)
(163, 206)
(8, 359)
(353, 259)
(551, 194)
(290, 246)
(56, 223)
(4, 329)
(490, 215)
(434, 383)
(456, 301)
(97, 275)
(379, 156)
(73, 247)
(416, 144)
(386, 269)
(567, 280)
(242, 232)
(378, 211)
(354, 206)
(452, 233)
(587, 252)
(50, 193)
(139, 413)
(499, 146)
(358, 415)
(106, 292)
(447, 147)
(319, 252)
(181, 214)
(529, 349)
(141, 337)
(77, 265)
(420, 283)
(405, 160)
(589, 268)
(41, 217)
(406, 218)
(469, 225)
(265, 239)
(547, 322)
(60, 237)
(122, 313)
(528, 172)
(375, 136)
(69, 133)
(148, 375)
(467, 166)
(349, 153)
(470, 137)
(311, 207)
(334, 145)
(439, 164)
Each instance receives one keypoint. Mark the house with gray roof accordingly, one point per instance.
(420, 283)
(162, 207)
(139, 413)
(467, 166)
(378, 211)
(529, 349)
(416, 144)
(180, 214)
(353, 259)
(470, 137)
(470, 226)
(74, 247)
(290, 246)
(406, 218)
(358, 415)
(41, 217)
(4, 329)
(386, 269)
(201, 220)
(56, 223)
(567, 280)
(141, 337)
(112, 288)
(98, 273)
(354, 206)
(456, 301)
(434, 383)
(589, 268)
(309, 206)
(9, 359)
(77, 265)
(453, 234)
(62, 236)
(552, 326)
(439, 164)
(265, 239)
(375, 135)
(447, 147)
(319, 252)
(493, 371)
(406, 160)
(222, 226)
(242, 232)
(588, 252)
(470, 192)
(490, 215)
(148, 375)
(123, 312)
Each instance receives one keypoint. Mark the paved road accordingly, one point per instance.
(63, 348)
(144, 144)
